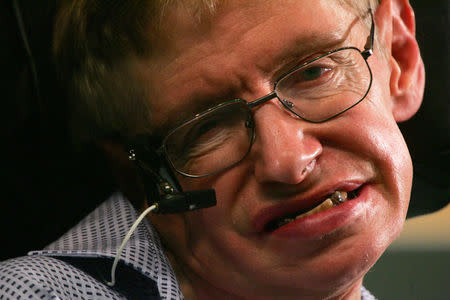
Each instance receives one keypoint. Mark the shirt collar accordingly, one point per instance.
(100, 234)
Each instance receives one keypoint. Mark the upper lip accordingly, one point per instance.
(298, 203)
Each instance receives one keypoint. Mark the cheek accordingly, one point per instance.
(189, 232)
(229, 186)
(207, 228)
(374, 138)
(377, 133)
(390, 151)
(392, 161)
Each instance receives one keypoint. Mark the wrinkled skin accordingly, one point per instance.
(219, 252)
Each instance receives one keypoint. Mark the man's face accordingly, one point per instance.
(292, 164)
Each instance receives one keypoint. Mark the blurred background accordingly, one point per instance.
(47, 186)
(417, 265)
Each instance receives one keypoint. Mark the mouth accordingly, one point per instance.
(332, 200)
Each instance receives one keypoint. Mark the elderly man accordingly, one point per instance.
(283, 113)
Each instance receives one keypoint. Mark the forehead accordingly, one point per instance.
(238, 51)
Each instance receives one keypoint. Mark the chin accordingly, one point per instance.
(340, 269)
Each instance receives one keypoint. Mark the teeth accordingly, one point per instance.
(339, 197)
(335, 199)
(321, 207)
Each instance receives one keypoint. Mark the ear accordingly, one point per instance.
(396, 32)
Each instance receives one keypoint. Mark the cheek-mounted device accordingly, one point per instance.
(161, 186)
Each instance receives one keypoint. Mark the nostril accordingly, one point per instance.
(304, 171)
(309, 168)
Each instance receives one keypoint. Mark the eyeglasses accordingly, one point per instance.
(316, 91)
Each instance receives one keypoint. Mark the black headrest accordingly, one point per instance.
(428, 132)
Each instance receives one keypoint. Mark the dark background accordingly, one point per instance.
(46, 186)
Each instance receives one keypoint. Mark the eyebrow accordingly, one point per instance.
(305, 50)
(283, 62)
(308, 46)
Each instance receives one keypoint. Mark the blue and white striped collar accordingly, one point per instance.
(100, 234)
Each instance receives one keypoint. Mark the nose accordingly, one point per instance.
(283, 150)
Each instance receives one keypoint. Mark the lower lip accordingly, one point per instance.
(327, 221)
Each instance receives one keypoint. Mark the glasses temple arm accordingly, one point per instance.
(368, 47)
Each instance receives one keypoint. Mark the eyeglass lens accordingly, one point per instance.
(213, 141)
(326, 86)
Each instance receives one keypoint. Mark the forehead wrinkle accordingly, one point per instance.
(192, 92)
(180, 21)
(224, 26)
(205, 56)
(270, 53)
(204, 71)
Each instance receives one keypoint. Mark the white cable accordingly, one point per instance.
(124, 242)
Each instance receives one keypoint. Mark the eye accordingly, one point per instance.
(312, 73)
(307, 78)
(204, 129)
